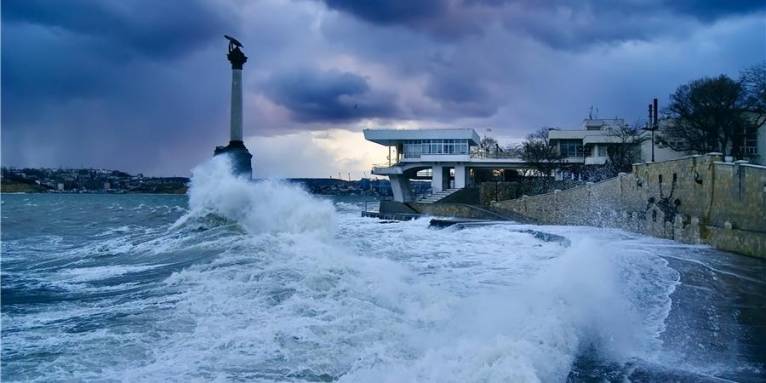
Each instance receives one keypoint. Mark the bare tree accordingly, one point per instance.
(488, 146)
(753, 82)
(514, 150)
(709, 115)
(625, 152)
(538, 151)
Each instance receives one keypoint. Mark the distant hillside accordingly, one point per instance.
(15, 186)
(336, 186)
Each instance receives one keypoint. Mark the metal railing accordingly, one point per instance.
(385, 165)
(483, 154)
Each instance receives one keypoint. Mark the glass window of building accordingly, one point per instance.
(415, 148)
(751, 144)
(571, 148)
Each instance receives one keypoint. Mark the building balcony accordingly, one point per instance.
(386, 169)
(573, 160)
(437, 158)
(595, 160)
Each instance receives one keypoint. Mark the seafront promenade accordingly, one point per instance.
(696, 199)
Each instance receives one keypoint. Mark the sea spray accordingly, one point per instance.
(290, 301)
(286, 300)
(262, 206)
(533, 332)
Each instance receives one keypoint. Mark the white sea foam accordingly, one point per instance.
(95, 273)
(265, 206)
(397, 302)
(534, 331)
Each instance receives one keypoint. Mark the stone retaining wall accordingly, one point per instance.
(500, 191)
(696, 199)
(456, 210)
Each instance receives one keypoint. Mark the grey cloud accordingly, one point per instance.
(710, 10)
(156, 29)
(322, 96)
(461, 95)
(391, 12)
(563, 24)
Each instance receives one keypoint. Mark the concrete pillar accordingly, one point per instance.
(437, 178)
(236, 105)
(400, 186)
(461, 176)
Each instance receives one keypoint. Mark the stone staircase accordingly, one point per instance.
(438, 196)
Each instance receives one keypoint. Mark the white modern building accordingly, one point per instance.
(590, 144)
(446, 156)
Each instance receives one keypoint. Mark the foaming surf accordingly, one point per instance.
(533, 332)
(260, 281)
(316, 309)
(264, 206)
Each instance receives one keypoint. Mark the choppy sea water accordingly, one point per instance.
(262, 282)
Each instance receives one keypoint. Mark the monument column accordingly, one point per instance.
(237, 59)
(236, 150)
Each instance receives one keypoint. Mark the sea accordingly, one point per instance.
(262, 282)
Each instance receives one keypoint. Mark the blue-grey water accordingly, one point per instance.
(262, 282)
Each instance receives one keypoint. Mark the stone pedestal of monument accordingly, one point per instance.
(240, 158)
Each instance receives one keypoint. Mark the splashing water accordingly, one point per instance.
(260, 281)
(266, 206)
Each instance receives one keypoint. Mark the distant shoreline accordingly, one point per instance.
(88, 192)
(104, 181)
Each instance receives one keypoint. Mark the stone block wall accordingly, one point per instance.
(500, 191)
(455, 210)
(696, 199)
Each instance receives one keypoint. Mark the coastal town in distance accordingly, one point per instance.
(114, 181)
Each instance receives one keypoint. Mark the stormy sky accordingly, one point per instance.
(143, 85)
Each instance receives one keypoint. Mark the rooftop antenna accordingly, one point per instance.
(590, 113)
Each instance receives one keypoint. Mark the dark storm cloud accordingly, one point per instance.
(322, 96)
(85, 80)
(83, 48)
(461, 95)
(710, 10)
(563, 24)
(157, 29)
(390, 12)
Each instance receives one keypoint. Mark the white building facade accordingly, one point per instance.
(590, 144)
(447, 156)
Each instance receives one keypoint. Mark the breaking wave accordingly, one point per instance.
(294, 301)
(264, 206)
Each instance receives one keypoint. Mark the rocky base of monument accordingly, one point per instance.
(240, 158)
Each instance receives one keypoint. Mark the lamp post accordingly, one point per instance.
(652, 126)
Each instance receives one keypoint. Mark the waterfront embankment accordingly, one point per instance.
(696, 199)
